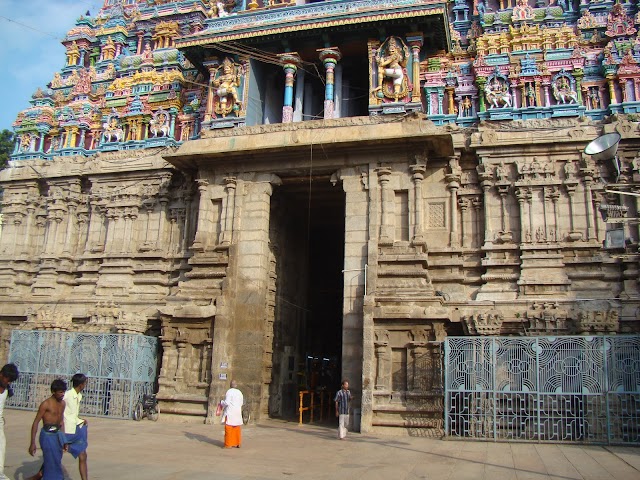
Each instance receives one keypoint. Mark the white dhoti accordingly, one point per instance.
(395, 73)
(3, 446)
(343, 423)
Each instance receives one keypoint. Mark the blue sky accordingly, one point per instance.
(30, 53)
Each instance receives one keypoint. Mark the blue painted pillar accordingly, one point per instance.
(290, 62)
(330, 58)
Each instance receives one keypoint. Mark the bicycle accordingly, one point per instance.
(246, 413)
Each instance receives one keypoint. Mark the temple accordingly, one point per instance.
(292, 193)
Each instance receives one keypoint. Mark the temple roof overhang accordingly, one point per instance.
(321, 16)
(336, 138)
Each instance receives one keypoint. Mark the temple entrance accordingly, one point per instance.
(307, 255)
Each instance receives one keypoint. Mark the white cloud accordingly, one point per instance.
(30, 56)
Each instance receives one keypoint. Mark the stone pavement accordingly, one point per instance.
(274, 449)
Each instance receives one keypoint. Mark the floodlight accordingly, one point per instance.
(604, 148)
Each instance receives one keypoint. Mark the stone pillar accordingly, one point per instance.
(31, 208)
(463, 203)
(71, 228)
(522, 195)
(290, 62)
(387, 208)
(200, 240)
(182, 357)
(330, 57)
(229, 211)
(418, 172)
(485, 177)
(453, 184)
(588, 200)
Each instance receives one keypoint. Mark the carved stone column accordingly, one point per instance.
(199, 241)
(182, 358)
(522, 195)
(418, 172)
(387, 210)
(229, 212)
(31, 208)
(382, 359)
(463, 203)
(453, 185)
(587, 174)
(485, 178)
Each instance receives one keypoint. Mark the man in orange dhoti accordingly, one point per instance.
(232, 416)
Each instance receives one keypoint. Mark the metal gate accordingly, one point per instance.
(580, 389)
(120, 367)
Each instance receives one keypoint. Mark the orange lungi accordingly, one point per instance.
(232, 436)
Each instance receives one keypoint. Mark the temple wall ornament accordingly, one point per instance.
(489, 323)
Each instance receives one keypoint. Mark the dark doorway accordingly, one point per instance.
(307, 245)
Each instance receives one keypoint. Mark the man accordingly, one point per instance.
(52, 441)
(232, 416)
(75, 428)
(8, 374)
(343, 398)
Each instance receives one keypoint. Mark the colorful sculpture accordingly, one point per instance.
(126, 85)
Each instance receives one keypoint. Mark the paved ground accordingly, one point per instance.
(276, 449)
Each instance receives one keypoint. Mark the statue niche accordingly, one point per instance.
(563, 88)
(390, 60)
(496, 91)
(159, 124)
(112, 132)
(225, 84)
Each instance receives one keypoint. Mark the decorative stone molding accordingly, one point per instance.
(48, 319)
(131, 323)
(105, 314)
(596, 322)
(488, 323)
(546, 319)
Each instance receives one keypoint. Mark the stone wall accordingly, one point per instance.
(494, 230)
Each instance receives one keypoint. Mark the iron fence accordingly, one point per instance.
(579, 389)
(120, 367)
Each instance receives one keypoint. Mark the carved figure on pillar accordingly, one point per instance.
(391, 61)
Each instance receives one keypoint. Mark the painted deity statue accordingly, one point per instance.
(159, 124)
(112, 130)
(392, 57)
(562, 91)
(497, 94)
(226, 86)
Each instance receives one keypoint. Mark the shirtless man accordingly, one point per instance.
(52, 441)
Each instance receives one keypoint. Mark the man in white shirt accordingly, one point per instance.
(75, 428)
(232, 416)
(8, 374)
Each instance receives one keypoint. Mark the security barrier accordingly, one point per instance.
(576, 389)
(120, 367)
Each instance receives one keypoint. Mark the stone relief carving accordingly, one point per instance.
(489, 323)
